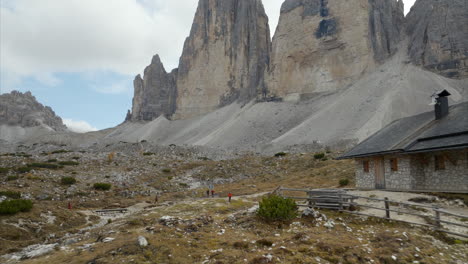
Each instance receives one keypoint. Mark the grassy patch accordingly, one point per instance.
(11, 194)
(12, 178)
(24, 169)
(4, 170)
(60, 151)
(43, 166)
(69, 163)
(15, 206)
(318, 156)
(102, 186)
(68, 180)
(280, 154)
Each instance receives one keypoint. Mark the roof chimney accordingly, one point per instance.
(441, 104)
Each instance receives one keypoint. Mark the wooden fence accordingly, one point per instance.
(339, 199)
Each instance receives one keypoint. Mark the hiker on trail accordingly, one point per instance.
(208, 193)
(212, 193)
(156, 199)
(230, 196)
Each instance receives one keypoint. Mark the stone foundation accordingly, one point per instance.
(418, 172)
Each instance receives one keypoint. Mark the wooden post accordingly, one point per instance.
(437, 217)
(309, 200)
(340, 201)
(387, 208)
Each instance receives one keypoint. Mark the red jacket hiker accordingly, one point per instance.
(230, 196)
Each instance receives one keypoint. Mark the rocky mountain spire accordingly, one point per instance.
(155, 93)
(438, 36)
(225, 56)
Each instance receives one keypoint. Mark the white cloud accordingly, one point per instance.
(78, 126)
(42, 37)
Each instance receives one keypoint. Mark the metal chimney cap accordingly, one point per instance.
(443, 93)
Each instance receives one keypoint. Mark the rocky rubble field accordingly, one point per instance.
(183, 225)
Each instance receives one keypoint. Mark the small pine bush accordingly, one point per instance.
(277, 208)
(166, 170)
(52, 160)
(10, 207)
(102, 186)
(148, 154)
(318, 156)
(68, 180)
(344, 182)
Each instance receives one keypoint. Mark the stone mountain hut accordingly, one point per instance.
(417, 153)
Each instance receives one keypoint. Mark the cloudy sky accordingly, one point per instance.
(80, 56)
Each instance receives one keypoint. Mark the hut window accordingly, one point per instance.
(366, 165)
(439, 162)
(394, 164)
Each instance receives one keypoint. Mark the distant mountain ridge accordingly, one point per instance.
(22, 109)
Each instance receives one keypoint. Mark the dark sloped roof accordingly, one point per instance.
(418, 133)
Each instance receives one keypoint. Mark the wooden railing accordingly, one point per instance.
(338, 199)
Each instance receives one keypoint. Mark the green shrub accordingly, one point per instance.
(52, 160)
(277, 208)
(43, 165)
(68, 180)
(204, 158)
(102, 186)
(14, 206)
(11, 194)
(265, 243)
(12, 178)
(4, 170)
(280, 154)
(318, 156)
(166, 170)
(69, 163)
(344, 182)
(24, 169)
(148, 154)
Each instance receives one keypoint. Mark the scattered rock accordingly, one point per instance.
(142, 241)
(108, 239)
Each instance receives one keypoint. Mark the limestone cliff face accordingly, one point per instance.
(438, 35)
(22, 109)
(155, 93)
(225, 56)
(326, 45)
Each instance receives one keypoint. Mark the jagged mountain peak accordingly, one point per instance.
(23, 110)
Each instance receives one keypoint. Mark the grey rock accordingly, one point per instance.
(386, 22)
(155, 93)
(438, 36)
(142, 241)
(22, 109)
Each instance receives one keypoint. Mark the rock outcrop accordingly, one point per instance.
(438, 35)
(225, 56)
(326, 45)
(155, 93)
(22, 109)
